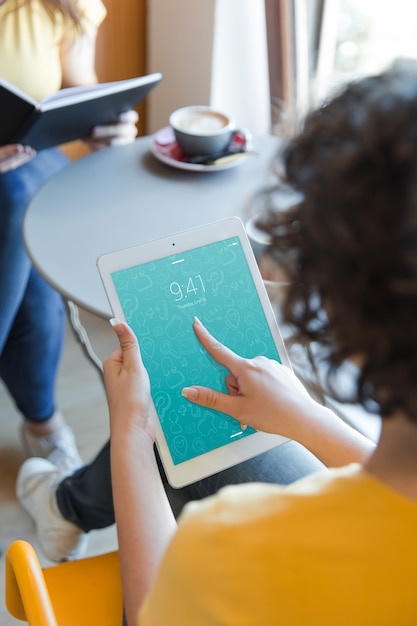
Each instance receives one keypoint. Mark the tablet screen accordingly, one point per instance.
(159, 300)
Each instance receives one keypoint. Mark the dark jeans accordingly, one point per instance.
(32, 320)
(85, 498)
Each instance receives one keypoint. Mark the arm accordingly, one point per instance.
(78, 58)
(267, 396)
(145, 522)
(78, 68)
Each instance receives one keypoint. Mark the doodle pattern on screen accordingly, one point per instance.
(160, 300)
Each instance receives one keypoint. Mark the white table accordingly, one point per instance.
(120, 197)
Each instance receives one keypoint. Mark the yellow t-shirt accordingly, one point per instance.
(338, 548)
(30, 43)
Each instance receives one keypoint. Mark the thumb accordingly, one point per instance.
(128, 342)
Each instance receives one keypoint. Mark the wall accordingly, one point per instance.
(210, 52)
(180, 45)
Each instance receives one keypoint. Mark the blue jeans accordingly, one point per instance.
(32, 316)
(85, 498)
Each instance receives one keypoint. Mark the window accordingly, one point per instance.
(370, 34)
(314, 46)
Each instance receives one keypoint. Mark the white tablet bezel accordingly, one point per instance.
(239, 450)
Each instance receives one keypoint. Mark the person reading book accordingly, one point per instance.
(44, 45)
(339, 546)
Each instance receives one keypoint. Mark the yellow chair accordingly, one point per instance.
(75, 593)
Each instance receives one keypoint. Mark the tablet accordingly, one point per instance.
(158, 288)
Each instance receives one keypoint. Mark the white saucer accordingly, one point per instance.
(165, 148)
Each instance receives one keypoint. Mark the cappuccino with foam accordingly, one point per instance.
(198, 122)
(201, 130)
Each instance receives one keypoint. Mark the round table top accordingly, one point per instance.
(120, 197)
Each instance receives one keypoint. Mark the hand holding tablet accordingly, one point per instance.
(158, 288)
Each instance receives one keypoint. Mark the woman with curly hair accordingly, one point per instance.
(44, 45)
(338, 546)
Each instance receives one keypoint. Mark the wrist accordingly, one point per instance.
(332, 440)
(138, 430)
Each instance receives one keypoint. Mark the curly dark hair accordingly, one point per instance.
(350, 245)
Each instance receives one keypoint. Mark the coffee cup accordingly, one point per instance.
(201, 130)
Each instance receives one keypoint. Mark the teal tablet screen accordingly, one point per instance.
(160, 300)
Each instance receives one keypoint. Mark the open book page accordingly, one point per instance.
(71, 95)
(70, 92)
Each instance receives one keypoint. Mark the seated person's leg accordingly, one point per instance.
(281, 465)
(72, 505)
(29, 366)
(32, 319)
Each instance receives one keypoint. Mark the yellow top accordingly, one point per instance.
(336, 548)
(30, 42)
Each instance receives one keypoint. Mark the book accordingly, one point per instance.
(69, 113)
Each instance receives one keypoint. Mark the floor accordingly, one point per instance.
(81, 397)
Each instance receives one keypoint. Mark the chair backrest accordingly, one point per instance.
(75, 593)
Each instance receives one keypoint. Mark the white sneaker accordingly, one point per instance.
(59, 447)
(59, 539)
